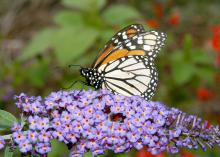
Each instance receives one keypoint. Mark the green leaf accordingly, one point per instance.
(58, 149)
(71, 43)
(105, 35)
(119, 14)
(85, 4)
(122, 155)
(37, 73)
(187, 43)
(69, 18)
(2, 128)
(6, 118)
(200, 57)
(38, 44)
(206, 73)
(8, 152)
(182, 72)
(88, 154)
(177, 56)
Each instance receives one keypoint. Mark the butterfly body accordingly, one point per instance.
(93, 77)
(126, 65)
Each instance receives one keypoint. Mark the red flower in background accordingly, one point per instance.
(204, 94)
(144, 153)
(216, 38)
(158, 9)
(174, 19)
(216, 29)
(152, 23)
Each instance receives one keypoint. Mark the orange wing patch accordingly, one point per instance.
(131, 32)
(122, 53)
(105, 52)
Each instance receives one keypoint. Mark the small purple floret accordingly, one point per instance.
(2, 143)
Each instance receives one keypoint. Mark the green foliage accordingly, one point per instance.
(68, 43)
(123, 155)
(37, 73)
(77, 31)
(69, 18)
(8, 152)
(58, 149)
(39, 43)
(191, 63)
(85, 4)
(182, 70)
(6, 119)
(76, 43)
(120, 14)
(88, 154)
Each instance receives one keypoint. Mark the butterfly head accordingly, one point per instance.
(93, 77)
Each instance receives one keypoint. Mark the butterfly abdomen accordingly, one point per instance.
(93, 77)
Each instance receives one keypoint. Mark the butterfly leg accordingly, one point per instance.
(72, 85)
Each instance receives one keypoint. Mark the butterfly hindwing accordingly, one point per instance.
(130, 75)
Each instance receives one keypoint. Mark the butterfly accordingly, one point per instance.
(126, 64)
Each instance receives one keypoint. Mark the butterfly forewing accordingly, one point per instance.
(119, 38)
(151, 42)
(139, 42)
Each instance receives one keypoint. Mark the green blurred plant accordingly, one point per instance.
(78, 30)
(183, 69)
(191, 63)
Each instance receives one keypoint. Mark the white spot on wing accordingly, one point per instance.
(150, 42)
(140, 41)
(147, 47)
(128, 44)
(150, 36)
(133, 47)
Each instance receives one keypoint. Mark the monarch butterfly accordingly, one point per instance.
(126, 64)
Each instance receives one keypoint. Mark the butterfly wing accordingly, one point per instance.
(119, 38)
(140, 43)
(151, 42)
(130, 75)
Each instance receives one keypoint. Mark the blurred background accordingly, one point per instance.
(40, 38)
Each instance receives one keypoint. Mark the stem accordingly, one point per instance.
(7, 137)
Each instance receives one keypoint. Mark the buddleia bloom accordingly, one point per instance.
(97, 121)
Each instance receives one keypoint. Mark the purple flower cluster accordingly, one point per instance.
(2, 142)
(97, 121)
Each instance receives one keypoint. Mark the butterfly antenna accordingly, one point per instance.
(74, 65)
